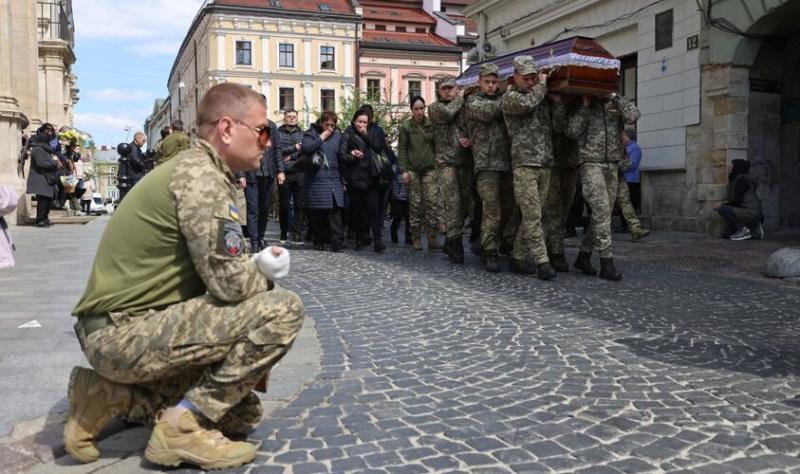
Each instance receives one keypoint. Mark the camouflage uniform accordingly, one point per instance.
(189, 316)
(170, 146)
(597, 129)
(455, 171)
(491, 154)
(416, 157)
(531, 121)
(561, 194)
(624, 200)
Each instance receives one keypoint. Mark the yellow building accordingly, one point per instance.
(299, 54)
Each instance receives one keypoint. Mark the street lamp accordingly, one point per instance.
(181, 86)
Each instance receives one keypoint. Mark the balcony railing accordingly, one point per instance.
(53, 22)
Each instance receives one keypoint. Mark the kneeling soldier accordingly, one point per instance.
(178, 324)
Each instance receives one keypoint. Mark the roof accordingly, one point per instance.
(312, 6)
(396, 14)
(470, 25)
(408, 39)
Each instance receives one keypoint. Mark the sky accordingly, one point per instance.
(125, 50)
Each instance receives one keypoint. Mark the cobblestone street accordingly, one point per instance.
(427, 366)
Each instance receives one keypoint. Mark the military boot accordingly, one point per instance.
(433, 242)
(456, 250)
(545, 271)
(608, 271)
(93, 402)
(559, 262)
(520, 266)
(489, 260)
(191, 443)
(584, 263)
(639, 233)
(417, 243)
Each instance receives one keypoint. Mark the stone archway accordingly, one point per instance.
(760, 103)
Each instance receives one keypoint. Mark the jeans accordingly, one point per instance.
(258, 195)
(292, 198)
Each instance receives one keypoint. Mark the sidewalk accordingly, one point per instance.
(52, 269)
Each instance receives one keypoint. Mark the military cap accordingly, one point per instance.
(525, 65)
(487, 69)
(448, 81)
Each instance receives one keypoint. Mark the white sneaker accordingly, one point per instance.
(742, 234)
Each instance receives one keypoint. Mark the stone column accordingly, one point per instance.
(12, 118)
(723, 137)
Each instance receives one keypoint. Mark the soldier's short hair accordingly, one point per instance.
(227, 98)
(165, 131)
(177, 124)
(289, 111)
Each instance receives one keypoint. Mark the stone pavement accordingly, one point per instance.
(690, 363)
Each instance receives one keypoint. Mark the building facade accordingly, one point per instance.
(105, 161)
(710, 90)
(401, 55)
(299, 54)
(36, 80)
(156, 121)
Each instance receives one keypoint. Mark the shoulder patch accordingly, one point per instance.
(231, 239)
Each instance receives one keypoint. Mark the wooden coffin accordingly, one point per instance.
(576, 65)
(580, 66)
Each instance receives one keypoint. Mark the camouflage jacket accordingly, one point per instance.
(447, 121)
(531, 121)
(170, 146)
(491, 145)
(598, 128)
(177, 235)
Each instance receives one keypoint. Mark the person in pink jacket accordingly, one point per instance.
(8, 203)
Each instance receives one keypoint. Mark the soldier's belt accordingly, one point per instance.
(94, 323)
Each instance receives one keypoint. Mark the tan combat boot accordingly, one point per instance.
(433, 243)
(93, 402)
(193, 444)
(639, 233)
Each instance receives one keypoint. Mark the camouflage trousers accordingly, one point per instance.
(208, 351)
(496, 191)
(424, 211)
(559, 202)
(531, 185)
(599, 183)
(456, 189)
(625, 205)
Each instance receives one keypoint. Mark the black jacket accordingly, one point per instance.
(42, 176)
(357, 172)
(285, 142)
(136, 162)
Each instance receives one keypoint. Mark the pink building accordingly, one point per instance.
(400, 54)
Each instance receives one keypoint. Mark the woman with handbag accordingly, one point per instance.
(366, 181)
(42, 177)
(324, 201)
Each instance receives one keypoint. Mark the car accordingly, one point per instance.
(96, 206)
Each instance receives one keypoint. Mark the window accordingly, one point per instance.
(380, 27)
(400, 29)
(664, 30)
(373, 90)
(286, 98)
(286, 55)
(324, 7)
(414, 88)
(421, 29)
(243, 53)
(275, 3)
(111, 181)
(326, 57)
(328, 99)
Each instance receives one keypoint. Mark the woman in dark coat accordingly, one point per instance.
(43, 173)
(324, 193)
(365, 189)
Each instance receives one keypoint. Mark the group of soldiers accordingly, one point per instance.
(528, 146)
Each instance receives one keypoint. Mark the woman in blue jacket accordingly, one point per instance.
(324, 192)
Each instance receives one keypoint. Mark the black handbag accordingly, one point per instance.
(312, 161)
(381, 167)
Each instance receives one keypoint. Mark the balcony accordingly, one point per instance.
(54, 22)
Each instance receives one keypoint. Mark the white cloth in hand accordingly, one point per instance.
(273, 267)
